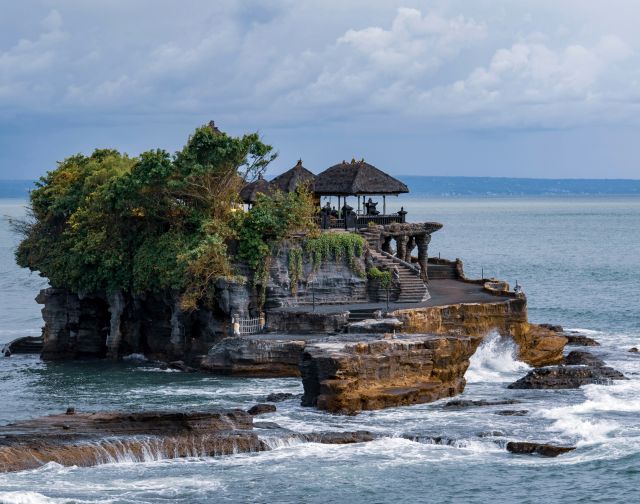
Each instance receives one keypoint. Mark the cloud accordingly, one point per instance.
(456, 64)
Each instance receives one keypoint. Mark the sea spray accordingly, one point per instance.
(495, 361)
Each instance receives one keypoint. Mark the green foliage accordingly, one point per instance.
(108, 222)
(270, 221)
(335, 246)
(384, 278)
(295, 268)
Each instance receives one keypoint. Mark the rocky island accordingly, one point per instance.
(197, 261)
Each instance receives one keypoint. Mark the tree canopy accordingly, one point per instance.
(157, 222)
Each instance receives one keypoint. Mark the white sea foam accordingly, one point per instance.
(25, 498)
(495, 361)
(590, 422)
(580, 330)
(135, 357)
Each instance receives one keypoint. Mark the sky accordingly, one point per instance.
(516, 88)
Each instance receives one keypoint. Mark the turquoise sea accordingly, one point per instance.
(578, 259)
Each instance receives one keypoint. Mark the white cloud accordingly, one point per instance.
(462, 64)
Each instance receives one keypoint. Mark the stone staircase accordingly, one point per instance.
(412, 288)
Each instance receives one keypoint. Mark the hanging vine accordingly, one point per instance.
(295, 268)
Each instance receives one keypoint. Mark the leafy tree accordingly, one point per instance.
(155, 223)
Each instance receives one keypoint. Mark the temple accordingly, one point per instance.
(390, 238)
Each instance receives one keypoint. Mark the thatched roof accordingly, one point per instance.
(249, 193)
(291, 179)
(356, 177)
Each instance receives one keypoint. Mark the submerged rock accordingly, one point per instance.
(566, 377)
(582, 358)
(279, 396)
(512, 412)
(546, 450)
(634, 350)
(464, 403)
(338, 437)
(261, 409)
(181, 366)
(580, 340)
(87, 439)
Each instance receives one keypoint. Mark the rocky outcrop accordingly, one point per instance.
(343, 377)
(581, 358)
(97, 325)
(255, 356)
(580, 340)
(543, 449)
(566, 377)
(464, 404)
(89, 439)
(261, 409)
(94, 438)
(537, 345)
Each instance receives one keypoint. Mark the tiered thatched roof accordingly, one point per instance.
(291, 179)
(356, 178)
(249, 193)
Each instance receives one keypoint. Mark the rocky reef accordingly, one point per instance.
(88, 439)
(93, 438)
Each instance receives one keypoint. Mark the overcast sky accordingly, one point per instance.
(526, 88)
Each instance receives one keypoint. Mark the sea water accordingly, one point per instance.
(577, 259)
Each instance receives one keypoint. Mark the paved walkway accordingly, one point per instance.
(443, 292)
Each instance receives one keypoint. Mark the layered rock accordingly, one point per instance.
(255, 356)
(332, 281)
(343, 377)
(94, 438)
(537, 345)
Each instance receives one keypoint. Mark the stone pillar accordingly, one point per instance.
(423, 254)
(401, 246)
(386, 245)
(411, 244)
(116, 307)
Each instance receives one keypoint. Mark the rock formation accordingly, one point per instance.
(566, 377)
(87, 439)
(537, 345)
(546, 450)
(255, 356)
(376, 373)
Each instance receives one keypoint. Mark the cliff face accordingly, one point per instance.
(98, 325)
(101, 325)
(537, 345)
(376, 373)
(330, 282)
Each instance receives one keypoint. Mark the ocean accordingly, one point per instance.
(578, 261)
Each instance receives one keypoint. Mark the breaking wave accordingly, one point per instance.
(495, 361)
